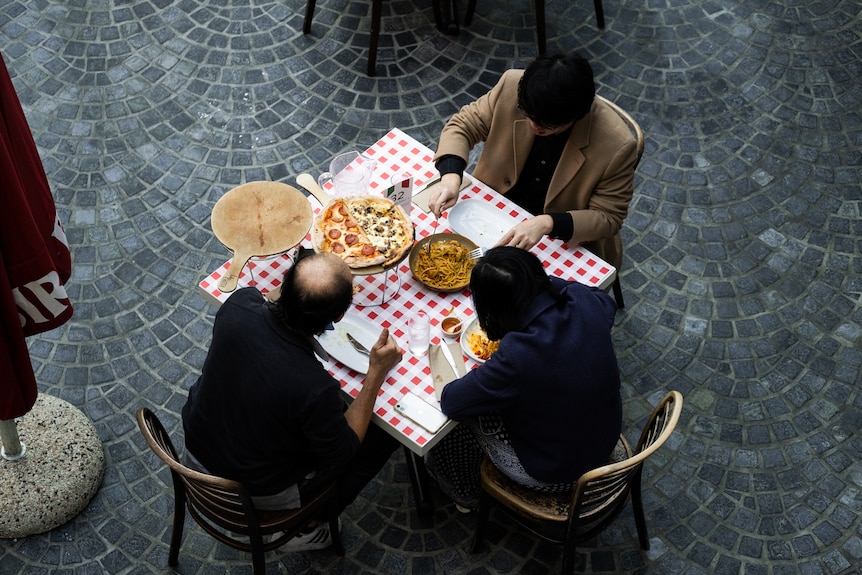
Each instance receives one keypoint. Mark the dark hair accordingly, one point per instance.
(556, 90)
(310, 312)
(504, 284)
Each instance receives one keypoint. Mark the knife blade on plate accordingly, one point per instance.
(357, 346)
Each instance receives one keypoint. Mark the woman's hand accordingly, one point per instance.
(444, 194)
(527, 234)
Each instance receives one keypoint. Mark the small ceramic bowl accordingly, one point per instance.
(451, 327)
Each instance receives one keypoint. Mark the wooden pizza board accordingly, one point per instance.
(259, 219)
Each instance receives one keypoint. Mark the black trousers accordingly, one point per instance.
(375, 451)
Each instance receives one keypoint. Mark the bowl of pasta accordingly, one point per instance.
(475, 343)
(440, 262)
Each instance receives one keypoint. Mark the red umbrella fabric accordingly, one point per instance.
(34, 254)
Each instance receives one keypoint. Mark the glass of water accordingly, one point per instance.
(419, 333)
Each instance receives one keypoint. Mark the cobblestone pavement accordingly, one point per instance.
(742, 273)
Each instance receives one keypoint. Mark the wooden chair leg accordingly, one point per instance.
(376, 9)
(451, 17)
(638, 510)
(309, 14)
(481, 521)
(569, 556)
(438, 14)
(540, 25)
(332, 512)
(600, 13)
(258, 558)
(618, 293)
(471, 8)
(179, 520)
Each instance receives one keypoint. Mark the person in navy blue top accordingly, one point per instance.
(546, 406)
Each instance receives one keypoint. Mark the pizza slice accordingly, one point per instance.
(386, 224)
(337, 232)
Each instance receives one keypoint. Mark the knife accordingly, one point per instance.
(428, 185)
(449, 359)
(358, 346)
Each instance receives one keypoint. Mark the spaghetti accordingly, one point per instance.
(444, 266)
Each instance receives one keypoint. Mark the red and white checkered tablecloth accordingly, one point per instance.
(390, 298)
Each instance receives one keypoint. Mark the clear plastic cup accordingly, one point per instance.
(419, 333)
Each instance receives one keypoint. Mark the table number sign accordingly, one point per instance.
(401, 191)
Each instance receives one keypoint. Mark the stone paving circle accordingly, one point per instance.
(742, 274)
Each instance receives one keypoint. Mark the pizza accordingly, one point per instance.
(364, 231)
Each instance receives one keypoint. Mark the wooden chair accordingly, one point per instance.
(374, 40)
(223, 507)
(540, 19)
(639, 136)
(598, 497)
(376, 10)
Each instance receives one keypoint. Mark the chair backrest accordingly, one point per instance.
(221, 501)
(605, 487)
(630, 122)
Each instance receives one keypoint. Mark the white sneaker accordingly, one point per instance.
(316, 538)
(461, 509)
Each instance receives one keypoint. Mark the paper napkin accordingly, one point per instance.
(441, 371)
(421, 198)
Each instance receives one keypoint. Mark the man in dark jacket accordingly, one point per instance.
(266, 413)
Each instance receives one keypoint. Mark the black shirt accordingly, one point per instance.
(530, 190)
(532, 186)
(264, 412)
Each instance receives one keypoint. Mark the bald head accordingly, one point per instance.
(322, 272)
(316, 291)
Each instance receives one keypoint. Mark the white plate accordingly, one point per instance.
(480, 221)
(335, 342)
(471, 327)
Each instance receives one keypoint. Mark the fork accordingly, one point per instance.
(476, 254)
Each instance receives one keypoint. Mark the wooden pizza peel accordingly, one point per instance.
(259, 219)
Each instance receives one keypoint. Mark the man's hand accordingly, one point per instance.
(444, 194)
(527, 234)
(385, 353)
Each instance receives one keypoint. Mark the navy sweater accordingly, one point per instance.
(556, 383)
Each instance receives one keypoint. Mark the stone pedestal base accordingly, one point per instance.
(59, 474)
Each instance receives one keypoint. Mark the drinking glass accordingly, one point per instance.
(419, 333)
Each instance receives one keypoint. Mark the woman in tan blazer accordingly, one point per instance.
(547, 138)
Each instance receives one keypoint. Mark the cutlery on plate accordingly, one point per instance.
(358, 346)
(476, 254)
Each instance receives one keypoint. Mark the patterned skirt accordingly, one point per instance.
(454, 462)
